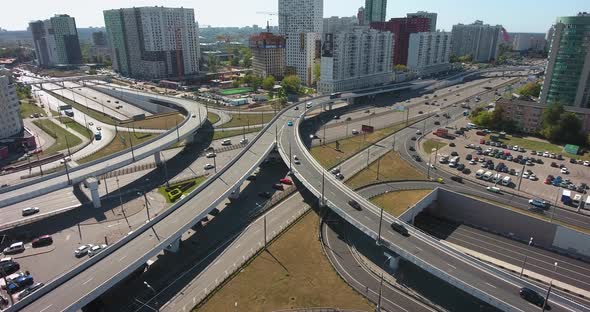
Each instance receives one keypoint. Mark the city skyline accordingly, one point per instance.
(540, 14)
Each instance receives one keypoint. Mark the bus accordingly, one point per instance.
(335, 95)
(97, 135)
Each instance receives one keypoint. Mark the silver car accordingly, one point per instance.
(82, 250)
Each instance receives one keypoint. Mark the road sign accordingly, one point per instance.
(367, 128)
(399, 108)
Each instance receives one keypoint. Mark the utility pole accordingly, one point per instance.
(121, 202)
(131, 142)
(379, 234)
(67, 171)
(547, 296)
(177, 133)
(378, 166)
(525, 257)
(323, 184)
(147, 208)
(265, 242)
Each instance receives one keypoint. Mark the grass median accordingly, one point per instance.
(213, 118)
(221, 134)
(429, 145)
(294, 273)
(176, 190)
(122, 140)
(72, 124)
(27, 109)
(161, 121)
(63, 138)
(396, 203)
(329, 155)
(240, 120)
(391, 167)
(539, 145)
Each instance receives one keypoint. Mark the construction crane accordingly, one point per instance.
(285, 16)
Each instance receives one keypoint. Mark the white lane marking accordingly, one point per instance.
(452, 266)
(420, 249)
(68, 237)
(88, 281)
(238, 246)
(491, 285)
(122, 258)
(47, 307)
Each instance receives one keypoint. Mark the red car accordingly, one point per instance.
(482, 141)
(286, 181)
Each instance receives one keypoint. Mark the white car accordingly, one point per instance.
(82, 250)
(208, 167)
(525, 175)
(96, 249)
(533, 177)
(546, 154)
(564, 170)
(296, 160)
(244, 141)
(586, 163)
(355, 132)
(14, 248)
(211, 155)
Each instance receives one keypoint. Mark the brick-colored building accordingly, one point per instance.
(268, 55)
(402, 28)
(528, 115)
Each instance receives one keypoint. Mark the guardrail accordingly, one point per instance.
(120, 275)
(471, 289)
(104, 159)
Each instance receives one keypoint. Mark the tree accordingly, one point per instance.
(235, 61)
(212, 63)
(291, 84)
(268, 83)
(561, 126)
(317, 71)
(256, 82)
(400, 68)
(551, 114)
(531, 89)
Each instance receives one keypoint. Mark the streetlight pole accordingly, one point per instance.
(379, 234)
(525, 257)
(147, 208)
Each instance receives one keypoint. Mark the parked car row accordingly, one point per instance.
(89, 249)
(16, 283)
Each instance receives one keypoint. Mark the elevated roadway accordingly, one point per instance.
(196, 115)
(483, 281)
(86, 282)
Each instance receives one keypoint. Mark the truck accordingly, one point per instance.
(577, 200)
(441, 133)
(566, 197)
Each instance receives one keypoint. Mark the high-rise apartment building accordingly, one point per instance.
(429, 52)
(567, 76)
(268, 55)
(375, 11)
(429, 15)
(479, 40)
(153, 42)
(356, 58)
(301, 21)
(360, 16)
(56, 41)
(10, 122)
(402, 28)
(335, 24)
(99, 39)
(528, 42)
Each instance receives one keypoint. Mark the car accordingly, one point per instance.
(532, 296)
(339, 176)
(278, 187)
(355, 131)
(14, 248)
(244, 141)
(98, 128)
(457, 179)
(420, 112)
(4, 282)
(466, 171)
(211, 155)
(265, 194)
(493, 189)
(572, 161)
(286, 181)
(417, 158)
(586, 163)
(400, 228)
(564, 170)
(96, 249)
(348, 118)
(452, 144)
(8, 267)
(296, 108)
(437, 123)
(354, 204)
(29, 290)
(412, 149)
(539, 203)
(453, 153)
(313, 136)
(296, 160)
(208, 167)
(19, 284)
(336, 117)
(226, 142)
(251, 177)
(42, 241)
(335, 171)
(30, 211)
(82, 250)
(290, 123)
(460, 167)
(413, 138)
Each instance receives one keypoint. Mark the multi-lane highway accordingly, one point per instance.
(117, 262)
(472, 275)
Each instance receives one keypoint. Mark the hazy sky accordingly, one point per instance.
(515, 15)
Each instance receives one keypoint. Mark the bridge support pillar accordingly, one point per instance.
(330, 105)
(92, 184)
(174, 246)
(158, 159)
(394, 263)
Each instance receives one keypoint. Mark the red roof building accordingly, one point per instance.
(402, 28)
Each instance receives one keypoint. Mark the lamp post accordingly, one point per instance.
(549, 289)
(525, 257)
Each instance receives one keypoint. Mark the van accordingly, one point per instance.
(487, 176)
(226, 142)
(497, 178)
(506, 181)
(479, 173)
(308, 105)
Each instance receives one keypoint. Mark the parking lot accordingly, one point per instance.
(541, 175)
